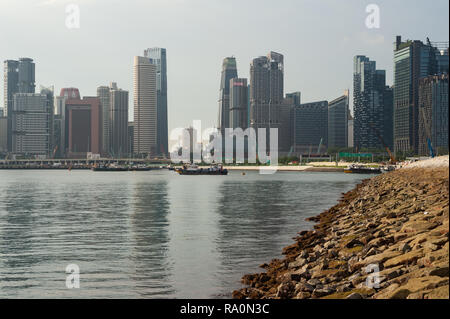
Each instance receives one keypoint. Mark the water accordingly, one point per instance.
(150, 234)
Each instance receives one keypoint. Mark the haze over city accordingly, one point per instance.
(317, 39)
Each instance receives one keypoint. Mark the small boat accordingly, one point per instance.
(195, 170)
(362, 169)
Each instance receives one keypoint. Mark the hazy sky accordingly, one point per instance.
(317, 37)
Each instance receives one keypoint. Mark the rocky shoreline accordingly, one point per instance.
(387, 238)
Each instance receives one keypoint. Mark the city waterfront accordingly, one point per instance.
(151, 234)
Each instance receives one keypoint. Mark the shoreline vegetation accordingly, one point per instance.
(388, 238)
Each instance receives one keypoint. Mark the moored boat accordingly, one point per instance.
(195, 170)
(362, 169)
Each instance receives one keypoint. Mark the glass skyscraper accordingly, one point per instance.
(158, 57)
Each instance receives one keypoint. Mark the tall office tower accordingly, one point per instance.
(145, 107)
(103, 93)
(50, 94)
(238, 103)
(31, 124)
(83, 125)
(433, 113)
(19, 77)
(266, 92)
(296, 97)
(413, 60)
(1, 112)
(338, 112)
(158, 57)
(229, 71)
(310, 128)
(118, 120)
(370, 104)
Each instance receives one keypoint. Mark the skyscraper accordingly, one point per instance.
(145, 107)
(371, 104)
(19, 77)
(413, 60)
(118, 122)
(83, 127)
(158, 57)
(238, 103)
(103, 93)
(229, 71)
(310, 127)
(433, 113)
(266, 92)
(31, 124)
(338, 112)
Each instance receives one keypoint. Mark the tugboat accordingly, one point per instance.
(362, 169)
(193, 169)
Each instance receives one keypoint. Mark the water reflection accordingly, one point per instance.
(150, 247)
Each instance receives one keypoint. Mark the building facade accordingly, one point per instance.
(238, 103)
(229, 71)
(433, 113)
(31, 125)
(338, 112)
(145, 107)
(372, 105)
(19, 77)
(266, 93)
(103, 93)
(310, 128)
(158, 57)
(83, 125)
(118, 122)
(413, 60)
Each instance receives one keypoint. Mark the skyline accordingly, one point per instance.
(54, 48)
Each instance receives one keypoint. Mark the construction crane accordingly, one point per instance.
(427, 131)
(320, 144)
(393, 161)
(54, 151)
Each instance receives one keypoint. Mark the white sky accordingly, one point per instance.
(317, 37)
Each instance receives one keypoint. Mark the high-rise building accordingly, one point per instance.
(60, 131)
(238, 103)
(266, 92)
(31, 120)
(118, 122)
(413, 60)
(229, 71)
(83, 125)
(310, 128)
(338, 112)
(103, 93)
(158, 57)
(433, 113)
(19, 77)
(371, 105)
(145, 107)
(296, 97)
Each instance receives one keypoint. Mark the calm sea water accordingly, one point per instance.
(150, 234)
